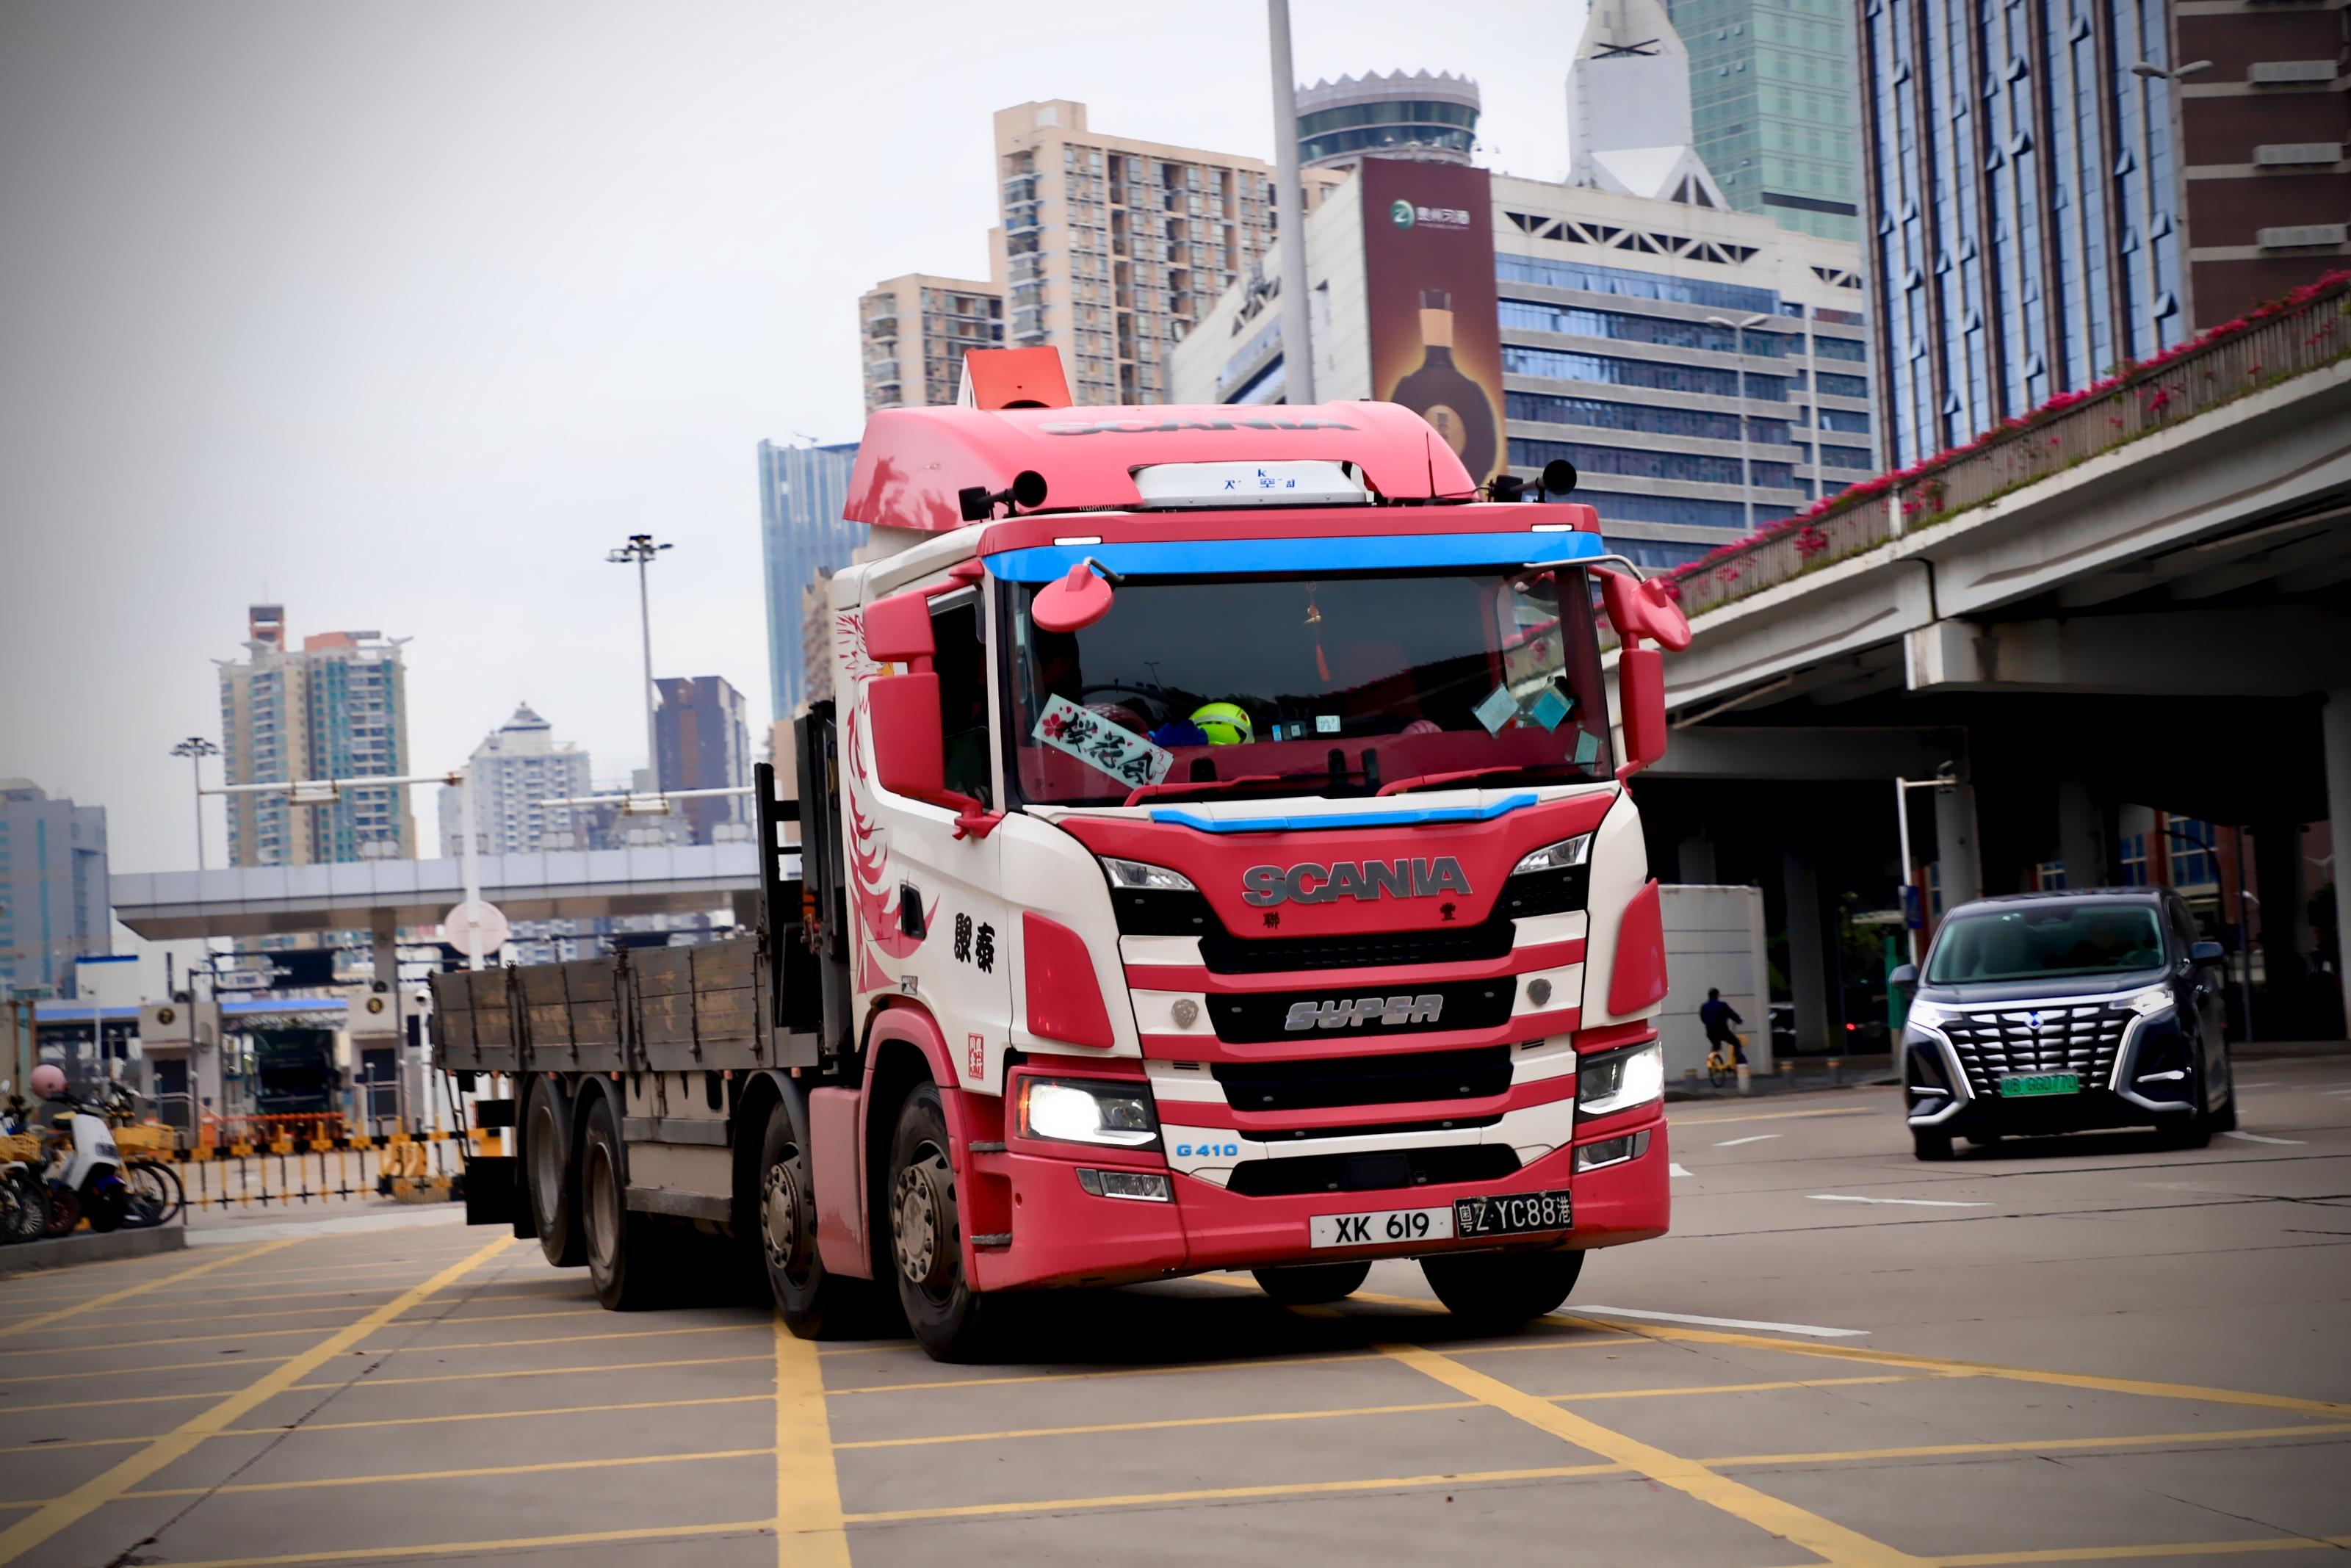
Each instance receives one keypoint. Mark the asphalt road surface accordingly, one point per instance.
(2080, 1350)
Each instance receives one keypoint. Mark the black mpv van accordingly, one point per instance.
(2057, 1012)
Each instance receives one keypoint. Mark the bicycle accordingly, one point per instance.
(1720, 1069)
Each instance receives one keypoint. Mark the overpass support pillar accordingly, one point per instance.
(1960, 875)
(1808, 980)
(387, 948)
(2335, 742)
(2285, 920)
(1694, 861)
(2082, 836)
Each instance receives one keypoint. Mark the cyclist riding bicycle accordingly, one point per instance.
(1717, 1016)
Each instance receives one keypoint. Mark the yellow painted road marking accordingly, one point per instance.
(2159, 1549)
(1981, 1368)
(390, 1350)
(2039, 1446)
(1823, 1537)
(1168, 1425)
(809, 1527)
(341, 1299)
(1750, 1387)
(531, 1372)
(1222, 1494)
(397, 1421)
(311, 1482)
(1173, 1371)
(94, 1302)
(109, 1345)
(92, 1495)
(466, 1548)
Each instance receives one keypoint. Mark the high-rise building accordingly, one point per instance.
(1772, 111)
(54, 908)
(1113, 247)
(2034, 221)
(915, 330)
(518, 767)
(1387, 115)
(803, 491)
(1705, 370)
(338, 708)
(704, 744)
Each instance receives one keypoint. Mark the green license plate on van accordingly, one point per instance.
(2023, 1084)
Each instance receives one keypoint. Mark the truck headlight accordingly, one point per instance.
(1619, 1080)
(1082, 1110)
(1140, 876)
(1560, 856)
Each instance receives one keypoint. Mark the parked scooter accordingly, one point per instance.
(23, 1196)
(84, 1181)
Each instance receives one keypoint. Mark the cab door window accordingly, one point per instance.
(961, 664)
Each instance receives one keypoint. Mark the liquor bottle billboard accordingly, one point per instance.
(1428, 275)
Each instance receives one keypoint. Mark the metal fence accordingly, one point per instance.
(261, 1161)
(2311, 332)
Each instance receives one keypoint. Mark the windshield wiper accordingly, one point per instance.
(1431, 781)
(1143, 792)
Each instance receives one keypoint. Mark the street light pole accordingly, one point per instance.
(195, 748)
(1290, 218)
(640, 550)
(1739, 349)
(1902, 787)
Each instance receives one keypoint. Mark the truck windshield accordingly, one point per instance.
(2050, 942)
(1319, 685)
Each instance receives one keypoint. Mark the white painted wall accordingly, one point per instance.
(1714, 937)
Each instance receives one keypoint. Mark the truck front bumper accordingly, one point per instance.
(1063, 1235)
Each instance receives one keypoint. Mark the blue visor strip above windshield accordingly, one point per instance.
(1361, 552)
(1411, 817)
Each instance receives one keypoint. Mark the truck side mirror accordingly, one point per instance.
(898, 629)
(1905, 977)
(1641, 705)
(1639, 608)
(909, 748)
(1072, 603)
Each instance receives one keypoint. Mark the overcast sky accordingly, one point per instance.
(401, 315)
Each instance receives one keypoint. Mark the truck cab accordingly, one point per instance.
(1229, 866)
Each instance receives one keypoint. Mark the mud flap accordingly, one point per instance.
(491, 1196)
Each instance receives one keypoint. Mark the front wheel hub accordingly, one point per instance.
(922, 1206)
(780, 1208)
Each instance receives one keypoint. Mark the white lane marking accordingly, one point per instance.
(1675, 1169)
(2258, 1138)
(1813, 1330)
(2256, 1085)
(1912, 1202)
(1750, 1138)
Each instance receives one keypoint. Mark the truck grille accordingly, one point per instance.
(1225, 953)
(2037, 1040)
(1372, 1173)
(1415, 1008)
(1418, 1076)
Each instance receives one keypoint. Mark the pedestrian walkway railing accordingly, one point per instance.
(2308, 330)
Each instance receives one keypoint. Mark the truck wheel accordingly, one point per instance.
(1310, 1284)
(946, 1314)
(1932, 1146)
(550, 1173)
(814, 1302)
(623, 1248)
(1502, 1288)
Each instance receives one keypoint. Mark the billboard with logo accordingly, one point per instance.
(1428, 275)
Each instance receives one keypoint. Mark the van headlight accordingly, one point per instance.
(1085, 1111)
(1619, 1080)
(2150, 1001)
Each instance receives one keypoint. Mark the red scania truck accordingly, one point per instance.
(1216, 856)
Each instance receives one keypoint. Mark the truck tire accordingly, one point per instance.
(1311, 1285)
(623, 1248)
(1499, 1289)
(814, 1302)
(551, 1177)
(946, 1316)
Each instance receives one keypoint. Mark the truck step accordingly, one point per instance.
(986, 1146)
(994, 1240)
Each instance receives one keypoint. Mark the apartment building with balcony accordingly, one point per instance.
(913, 331)
(1113, 247)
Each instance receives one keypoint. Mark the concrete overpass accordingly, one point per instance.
(2140, 600)
(383, 895)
